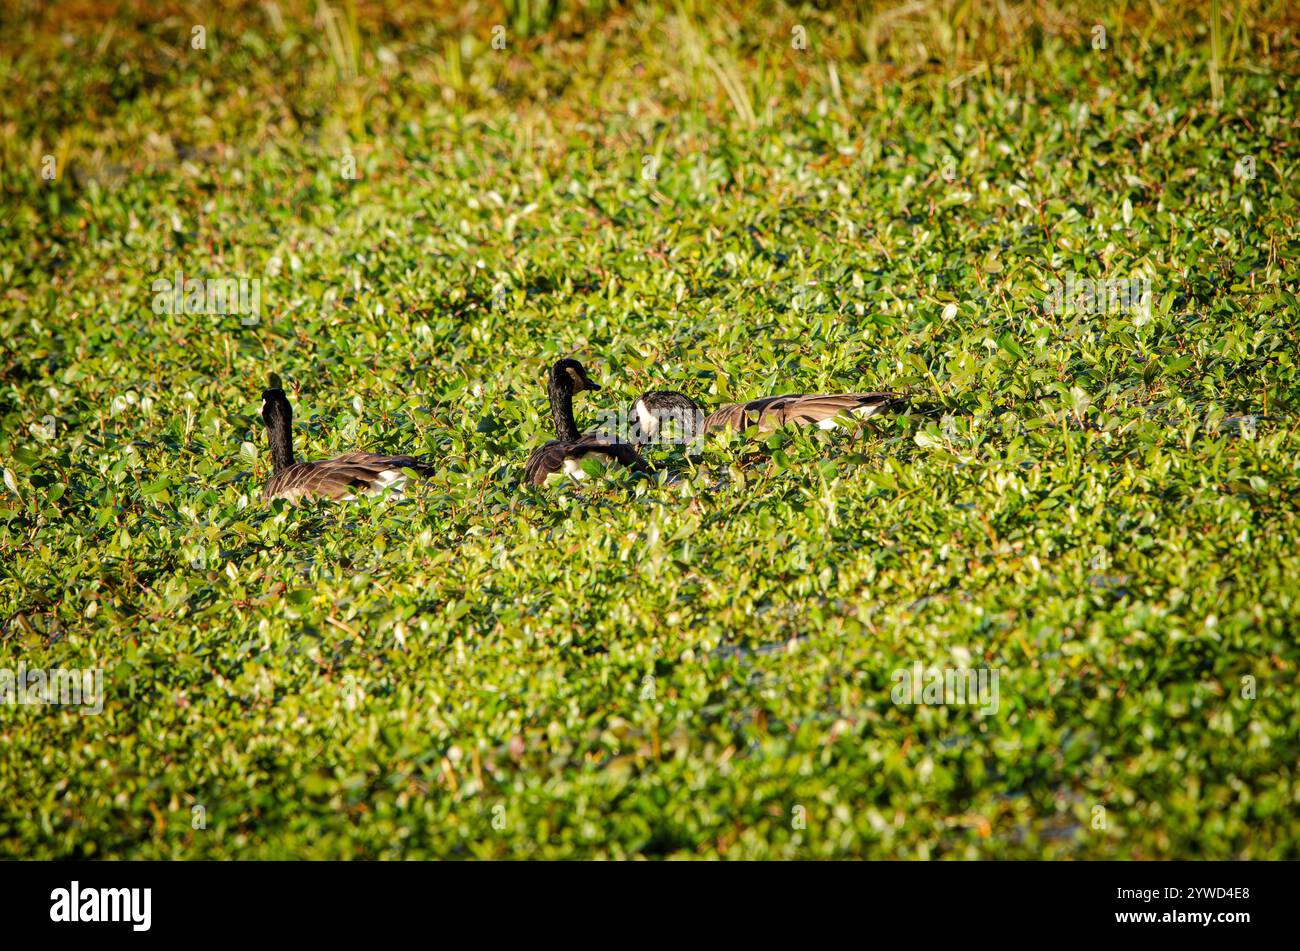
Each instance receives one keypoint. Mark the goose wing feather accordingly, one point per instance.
(354, 473)
(549, 458)
(773, 412)
(373, 460)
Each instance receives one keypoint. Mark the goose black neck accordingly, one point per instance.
(279, 431)
(561, 397)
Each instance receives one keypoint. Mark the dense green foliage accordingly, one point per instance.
(1102, 508)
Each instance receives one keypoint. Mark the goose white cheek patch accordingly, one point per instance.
(649, 422)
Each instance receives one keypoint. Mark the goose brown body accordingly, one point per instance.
(804, 409)
(344, 477)
(558, 456)
(768, 413)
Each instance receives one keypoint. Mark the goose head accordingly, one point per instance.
(655, 407)
(275, 407)
(569, 377)
(566, 378)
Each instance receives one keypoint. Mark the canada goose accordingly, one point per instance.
(565, 454)
(768, 412)
(342, 478)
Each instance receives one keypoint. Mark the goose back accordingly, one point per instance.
(565, 456)
(344, 477)
(821, 409)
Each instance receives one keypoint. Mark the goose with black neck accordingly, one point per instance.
(564, 455)
(342, 478)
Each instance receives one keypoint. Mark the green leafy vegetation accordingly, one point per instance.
(1096, 500)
